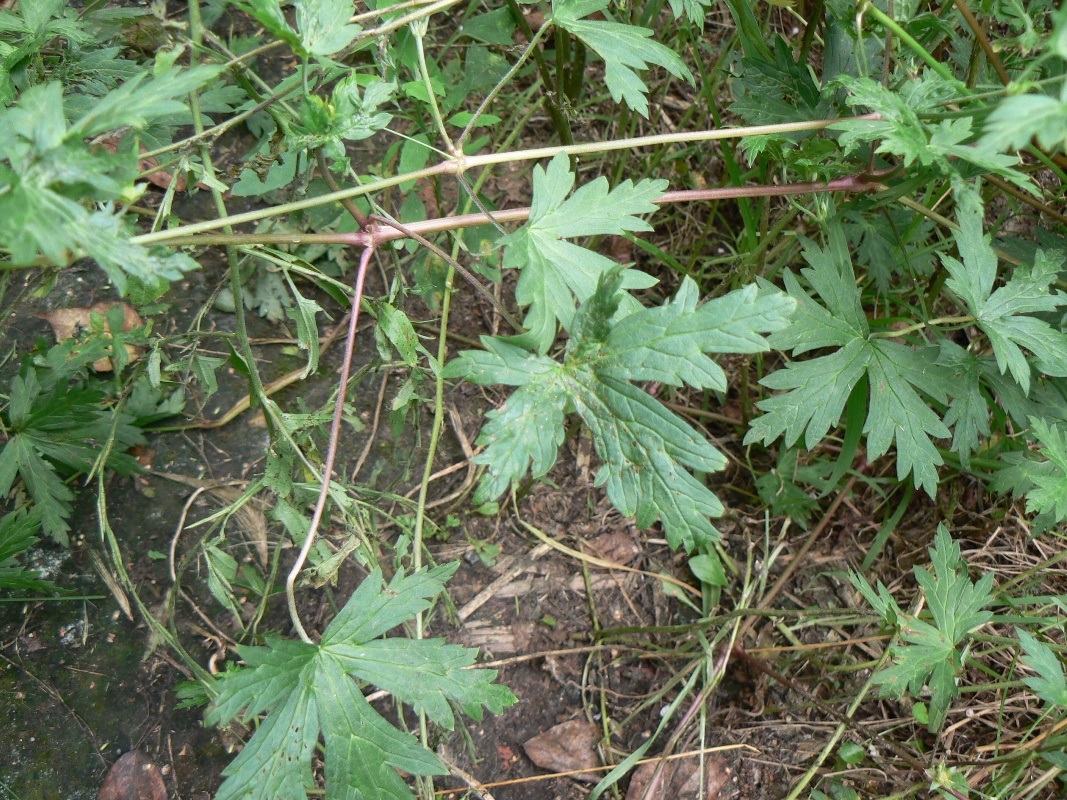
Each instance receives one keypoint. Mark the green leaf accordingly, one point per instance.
(281, 173)
(624, 48)
(494, 27)
(56, 427)
(779, 491)
(644, 448)
(708, 569)
(968, 412)
(270, 15)
(930, 655)
(901, 131)
(814, 392)
(18, 531)
(363, 751)
(396, 329)
(307, 691)
(221, 572)
(1004, 314)
(357, 117)
(694, 10)
(1050, 684)
(204, 367)
(1043, 482)
(323, 25)
(52, 169)
(142, 99)
(307, 329)
(777, 89)
(1016, 120)
(555, 271)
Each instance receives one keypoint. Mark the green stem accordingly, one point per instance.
(918, 326)
(831, 743)
(418, 30)
(559, 120)
(500, 85)
(904, 36)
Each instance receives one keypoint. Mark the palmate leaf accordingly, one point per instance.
(1049, 684)
(1016, 120)
(777, 89)
(323, 24)
(1041, 477)
(18, 532)
(930, 656)
(1004, 315)
(645, 448)
(968, 411)
(694, 10)
(555, 271)
(624, 48)
(52, 426)
(814, 392)
(308, 691)
(52, 169)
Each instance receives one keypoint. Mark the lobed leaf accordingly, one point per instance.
(1004, 314)
(645, 449)
(930, 656)
(814, 392)
(307, 690)
(555, 271)
(624, 48)
(1049, 684)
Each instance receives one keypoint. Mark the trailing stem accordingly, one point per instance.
(331, 450)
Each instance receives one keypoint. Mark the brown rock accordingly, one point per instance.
(680, 780)
(566, 747)
(133, 777)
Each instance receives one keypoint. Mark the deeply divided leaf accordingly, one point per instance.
(308, 691)
(814, 391)
(645, 449)
(624, 48)
(555, 271)
(930, 655)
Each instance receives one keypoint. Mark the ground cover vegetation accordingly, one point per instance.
(840, 279)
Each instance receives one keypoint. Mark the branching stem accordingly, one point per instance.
(863, 182)
(463, 163)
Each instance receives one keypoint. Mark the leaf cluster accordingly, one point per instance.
(919, 390)
(57, 424)
(17, 535)
(48, 173)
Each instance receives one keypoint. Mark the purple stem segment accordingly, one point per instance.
(331, 450)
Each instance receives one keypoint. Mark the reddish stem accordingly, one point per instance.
(375, 235)
(331, 450)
